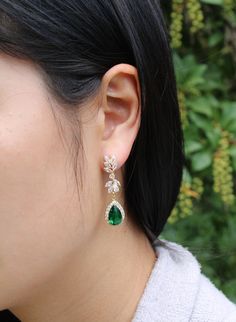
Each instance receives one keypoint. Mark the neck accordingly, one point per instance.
(103, 282)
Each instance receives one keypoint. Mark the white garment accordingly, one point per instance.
(177, 290)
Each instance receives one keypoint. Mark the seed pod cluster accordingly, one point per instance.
(223, 171)
(176, 26)
(182, 106)
(188, 192)
(195, 15)
(229, 7)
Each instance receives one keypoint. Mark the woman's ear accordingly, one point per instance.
(121, 111)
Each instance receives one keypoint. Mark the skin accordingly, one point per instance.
(59, 259)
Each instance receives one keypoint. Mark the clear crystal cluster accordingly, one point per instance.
(110, 165)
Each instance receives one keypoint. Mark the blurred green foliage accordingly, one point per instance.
(203, 39)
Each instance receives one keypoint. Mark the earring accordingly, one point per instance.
(115, 213)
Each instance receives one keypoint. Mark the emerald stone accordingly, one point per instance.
(114, 217)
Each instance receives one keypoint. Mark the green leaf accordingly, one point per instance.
(199, 121)
(201, 160)
(201, 105)
(189, 72)
(228, 114)
(232, 151)
(192, 146)
(215, 39)
(231, 127)
(186, 175)
(213, 136)
(215, 2)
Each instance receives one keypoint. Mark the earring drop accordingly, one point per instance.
(114, 214)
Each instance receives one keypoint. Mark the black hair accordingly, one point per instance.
(74, 42)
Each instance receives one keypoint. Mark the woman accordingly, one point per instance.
(91, 164)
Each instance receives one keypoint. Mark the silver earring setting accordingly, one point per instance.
(114, 214)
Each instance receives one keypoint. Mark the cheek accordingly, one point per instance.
(36, 229)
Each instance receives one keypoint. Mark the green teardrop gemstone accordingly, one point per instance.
(114, 217)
